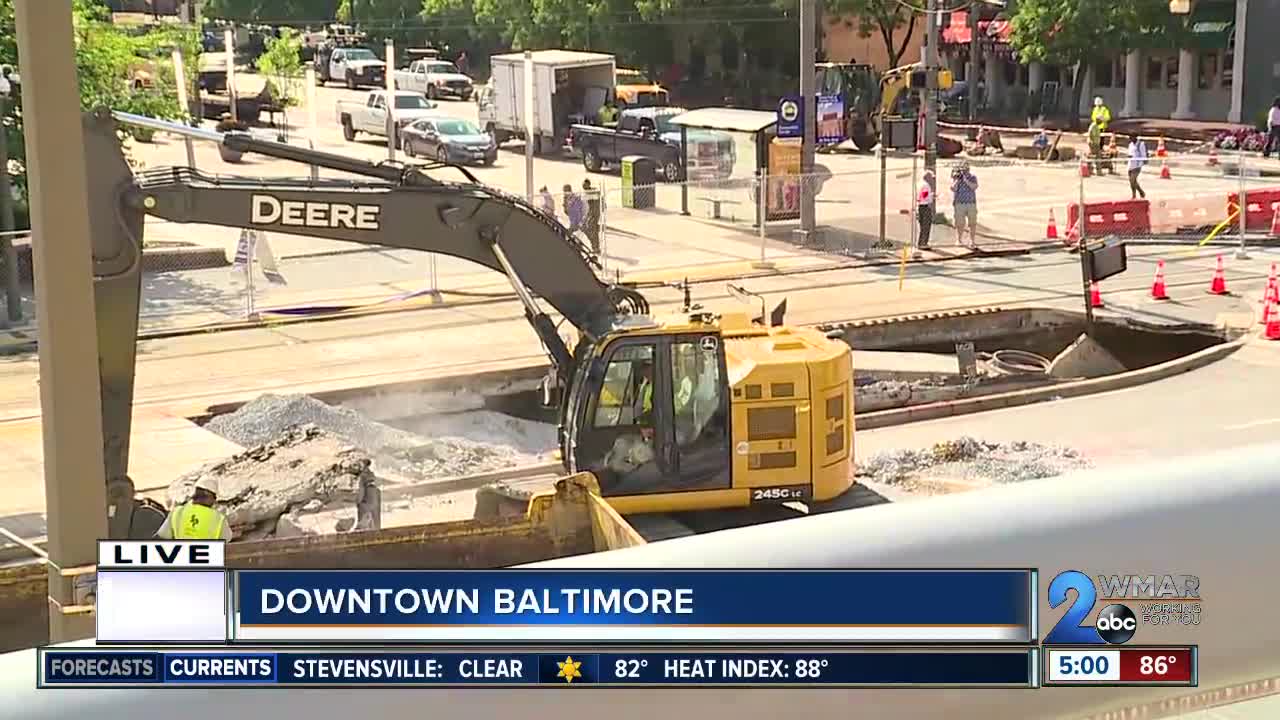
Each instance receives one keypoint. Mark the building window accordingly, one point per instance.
(1104, 75)
(1208, 70)
(1171, 72)
(1155, 73)
(1122, 68)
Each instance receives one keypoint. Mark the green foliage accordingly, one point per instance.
(272, 11)
(282, 64)
(108, 61)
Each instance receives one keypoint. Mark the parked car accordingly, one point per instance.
(355, 66)
(435, 78)
(370, 115)
(449, 140)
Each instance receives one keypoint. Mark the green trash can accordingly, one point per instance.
(639, 175)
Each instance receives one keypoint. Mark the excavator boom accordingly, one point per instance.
(390, 205)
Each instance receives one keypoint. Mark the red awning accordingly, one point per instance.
(957, 32)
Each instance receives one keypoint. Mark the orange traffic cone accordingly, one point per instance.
(1051, 232)
(1218, 286)
(1213, 155)
(1271, 278)
(1266, 315)
(1095, 295)
(1158, 291)
(1273, 292)
(1272, 330)
(1275, 228)
(1160, 148)
(1084, 168)
(1164, 171)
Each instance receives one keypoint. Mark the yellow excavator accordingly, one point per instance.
(869, 95)
(691, 410)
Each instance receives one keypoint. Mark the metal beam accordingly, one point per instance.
(70, 401)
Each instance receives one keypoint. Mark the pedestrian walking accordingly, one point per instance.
(1273, 130)
(924, 211)
(591, 223)
(463, 63)
(546, 202)
(1137, 159)
(197, 519)
(573, 208)
(964, 192)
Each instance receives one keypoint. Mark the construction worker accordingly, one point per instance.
(645, 416)
(197, 519)
(1101, 114)
(608, 115)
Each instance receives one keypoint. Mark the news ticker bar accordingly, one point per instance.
(140, 581)
(1173, 665)
(566, 667)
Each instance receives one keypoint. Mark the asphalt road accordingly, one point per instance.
(1232, 403)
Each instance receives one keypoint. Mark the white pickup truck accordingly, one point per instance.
(435, 78)
(370, 115)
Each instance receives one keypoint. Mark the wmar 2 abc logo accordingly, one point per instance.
(1116, 623)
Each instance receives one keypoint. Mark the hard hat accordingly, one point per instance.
(207, 483)
(1097, 100)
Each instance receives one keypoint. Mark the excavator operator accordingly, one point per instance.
(644, 398)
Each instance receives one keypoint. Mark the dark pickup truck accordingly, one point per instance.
(636, 134)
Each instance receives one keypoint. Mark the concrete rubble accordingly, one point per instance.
(968, 463)
(304, 468)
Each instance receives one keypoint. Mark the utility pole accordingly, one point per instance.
(971, 75)
(75, 485)
(809, 113)
(931, 87)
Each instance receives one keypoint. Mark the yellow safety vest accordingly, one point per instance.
(197, 522)
(1101, 115)
(646, 393)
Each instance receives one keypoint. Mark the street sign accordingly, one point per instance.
(898, 133)
(830, 119)
(790, 117)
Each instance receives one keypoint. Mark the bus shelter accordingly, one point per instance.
(726, 151)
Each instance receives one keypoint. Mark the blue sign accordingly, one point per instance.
(790, 117)
(830, 120)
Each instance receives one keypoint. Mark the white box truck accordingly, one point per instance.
(568, 87)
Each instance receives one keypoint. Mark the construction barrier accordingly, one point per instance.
(1262, 207)
(1171, 215)
(1121, 217)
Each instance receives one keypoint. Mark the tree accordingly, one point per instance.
(282, 65)
(106, 58)
(279, 12)
(882, 17)
(1078, 32)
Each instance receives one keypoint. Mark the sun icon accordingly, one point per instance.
(569, 669)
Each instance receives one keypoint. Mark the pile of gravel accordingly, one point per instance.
(441, 446)
(263, 419)
(972, 460)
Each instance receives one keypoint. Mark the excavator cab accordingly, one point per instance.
(649, 413)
